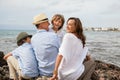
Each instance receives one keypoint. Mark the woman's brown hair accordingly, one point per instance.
(78, 29)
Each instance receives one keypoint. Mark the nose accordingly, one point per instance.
(57, 22)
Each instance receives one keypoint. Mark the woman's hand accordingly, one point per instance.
(55, 76)
(55, 73)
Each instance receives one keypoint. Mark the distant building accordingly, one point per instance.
(102, 29)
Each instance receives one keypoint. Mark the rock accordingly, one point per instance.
(2, 61)
(105, 71)
(1, 54)
(4, 71)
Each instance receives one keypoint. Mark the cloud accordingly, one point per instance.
(113, 8)
(91, 12)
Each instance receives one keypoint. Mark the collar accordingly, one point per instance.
(25, 44)
(41, 30)
(57, 31)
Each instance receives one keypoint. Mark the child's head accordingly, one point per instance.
(58, 21)
(22, 38)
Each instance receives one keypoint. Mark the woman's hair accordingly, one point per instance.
(78, 29)
(58, 17)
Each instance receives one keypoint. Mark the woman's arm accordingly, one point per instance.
(55, 72)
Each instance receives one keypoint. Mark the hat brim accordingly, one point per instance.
(35, 23)
(30, 36)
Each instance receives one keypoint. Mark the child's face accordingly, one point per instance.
(57, 23)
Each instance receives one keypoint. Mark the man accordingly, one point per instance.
(45, 45)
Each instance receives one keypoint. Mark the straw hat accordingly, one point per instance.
(40, 19)
(22, 35)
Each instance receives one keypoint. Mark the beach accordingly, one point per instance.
(103, 45)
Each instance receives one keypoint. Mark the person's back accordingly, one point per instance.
(26, 60)
(45, 45)
(22, 60)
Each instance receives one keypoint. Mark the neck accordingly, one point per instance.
(55, 29)
(42, 28)
(75, 34)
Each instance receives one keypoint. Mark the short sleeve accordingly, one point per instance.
(66, 46)
(15, 53)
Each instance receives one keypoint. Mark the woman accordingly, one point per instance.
(69, 62)
(57, 25)
(22, 60)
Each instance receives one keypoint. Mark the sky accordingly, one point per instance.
(18, 14)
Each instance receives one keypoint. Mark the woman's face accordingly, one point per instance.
(57, 23)
(71, 26)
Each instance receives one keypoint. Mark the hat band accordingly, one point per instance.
(44, 19)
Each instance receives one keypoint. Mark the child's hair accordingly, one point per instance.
(58, 17)
(23, 40)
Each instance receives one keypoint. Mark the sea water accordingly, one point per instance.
(103, 45)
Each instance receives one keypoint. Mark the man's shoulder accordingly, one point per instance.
(51, 34)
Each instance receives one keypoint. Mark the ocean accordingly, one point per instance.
(103, 45)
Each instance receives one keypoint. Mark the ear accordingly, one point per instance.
(24, 40)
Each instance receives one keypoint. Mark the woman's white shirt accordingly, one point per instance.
(71, 67)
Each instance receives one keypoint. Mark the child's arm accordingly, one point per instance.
(7, 55)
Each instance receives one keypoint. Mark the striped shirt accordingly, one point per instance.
(26, 59)
(59, 33)
(46, 46)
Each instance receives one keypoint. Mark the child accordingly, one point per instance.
(22, 60)
(57, 25)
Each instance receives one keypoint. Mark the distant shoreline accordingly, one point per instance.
(102, 29)
(116, 29)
